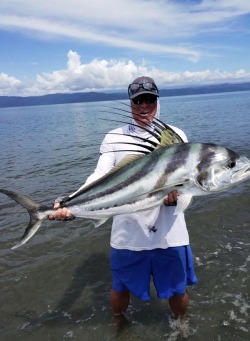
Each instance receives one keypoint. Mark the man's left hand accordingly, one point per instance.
(171, 199)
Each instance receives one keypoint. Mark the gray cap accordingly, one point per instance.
(142, 85)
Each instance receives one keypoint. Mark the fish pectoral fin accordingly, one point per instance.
(183, 202)
(98, 223)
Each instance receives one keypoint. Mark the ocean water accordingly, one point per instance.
(56, 287)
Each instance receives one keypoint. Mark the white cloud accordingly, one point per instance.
(140, 25)
(9, 85)
(98, 74)
(75, 32)
(105, 75)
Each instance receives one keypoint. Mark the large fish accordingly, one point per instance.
(140, 183)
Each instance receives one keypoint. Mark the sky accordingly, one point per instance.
(66, 46)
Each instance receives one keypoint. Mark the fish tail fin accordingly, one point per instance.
(33, 209)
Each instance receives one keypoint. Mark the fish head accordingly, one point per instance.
(221, 168)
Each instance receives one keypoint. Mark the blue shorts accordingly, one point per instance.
(172, 271)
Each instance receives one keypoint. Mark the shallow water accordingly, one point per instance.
(56, 287)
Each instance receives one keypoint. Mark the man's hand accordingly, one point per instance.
(171, 199)
(60, 213)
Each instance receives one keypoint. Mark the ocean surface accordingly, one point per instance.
(56, 287)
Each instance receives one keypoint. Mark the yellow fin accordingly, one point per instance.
(126, 160)
(168, 137)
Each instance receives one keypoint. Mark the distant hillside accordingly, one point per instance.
(16, 101)
(206, 89)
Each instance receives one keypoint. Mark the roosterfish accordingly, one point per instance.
(142, 180)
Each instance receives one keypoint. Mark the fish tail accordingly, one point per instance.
(33, 209)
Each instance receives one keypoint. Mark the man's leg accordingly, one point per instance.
(179, 304)
(119, 301)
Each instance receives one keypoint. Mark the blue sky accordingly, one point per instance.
(102, 45)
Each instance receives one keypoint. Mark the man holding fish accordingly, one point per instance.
(152, 243)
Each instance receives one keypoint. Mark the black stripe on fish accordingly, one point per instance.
(147, 168)
(179, 157)
(233, 156)
(207, 155)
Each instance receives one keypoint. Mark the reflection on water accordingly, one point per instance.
(56, 287)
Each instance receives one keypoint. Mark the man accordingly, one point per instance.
(153, 243)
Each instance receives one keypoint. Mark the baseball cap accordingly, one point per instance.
(142, 85)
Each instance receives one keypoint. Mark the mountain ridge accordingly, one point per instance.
(79, 97)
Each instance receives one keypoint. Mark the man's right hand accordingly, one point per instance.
(171, 199)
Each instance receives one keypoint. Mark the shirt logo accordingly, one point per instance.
(152, 229)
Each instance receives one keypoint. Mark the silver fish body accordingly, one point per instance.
(193, 169)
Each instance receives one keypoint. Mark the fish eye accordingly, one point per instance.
(231, 164)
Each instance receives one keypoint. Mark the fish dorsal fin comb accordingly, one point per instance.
(168, 137)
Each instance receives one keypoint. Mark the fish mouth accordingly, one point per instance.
(242, 174)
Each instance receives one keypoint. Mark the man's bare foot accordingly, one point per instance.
(119, 321)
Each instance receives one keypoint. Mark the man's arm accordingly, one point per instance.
(105, 163)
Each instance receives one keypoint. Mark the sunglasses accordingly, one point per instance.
(134, 87)
(149, 99)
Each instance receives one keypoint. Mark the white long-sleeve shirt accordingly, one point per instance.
(155, 228)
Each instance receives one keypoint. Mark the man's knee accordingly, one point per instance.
(119, 301)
